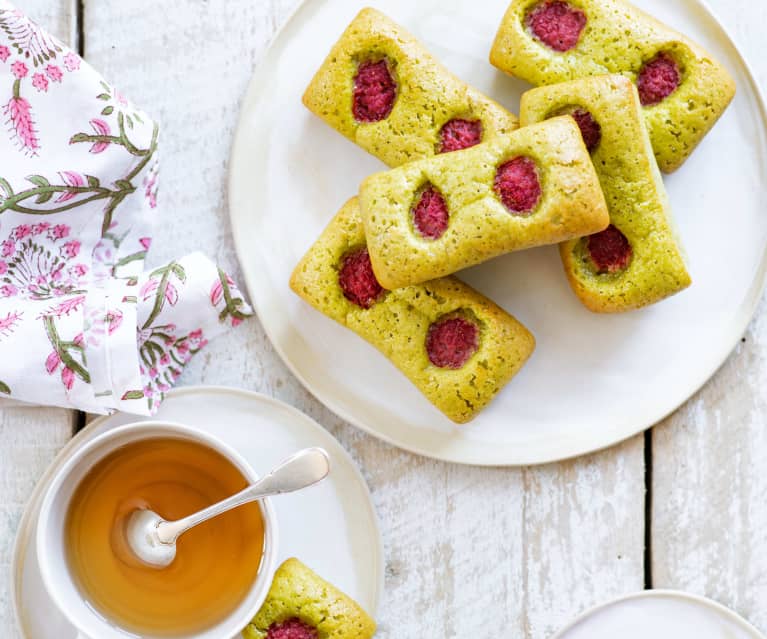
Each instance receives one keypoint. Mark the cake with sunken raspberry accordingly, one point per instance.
(302, 605)
(433, 217)
(683, 90)
(455, 345)
(381, 89)
(637, 260)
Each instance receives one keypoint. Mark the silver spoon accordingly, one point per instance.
(153, 540)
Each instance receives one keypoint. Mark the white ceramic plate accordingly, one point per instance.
(593, 380)
(660, 614)
(331, 527)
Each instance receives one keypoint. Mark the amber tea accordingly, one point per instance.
(216, 563)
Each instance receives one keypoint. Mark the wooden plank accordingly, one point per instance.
(511, 552)
(709, 515)
(29, 437)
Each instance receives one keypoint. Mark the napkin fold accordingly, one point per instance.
(82, 325)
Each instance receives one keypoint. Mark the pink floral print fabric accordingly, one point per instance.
(82, 324)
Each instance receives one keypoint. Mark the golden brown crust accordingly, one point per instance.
(619, 38)
(398, 324)
(480, 227)
(428, 95)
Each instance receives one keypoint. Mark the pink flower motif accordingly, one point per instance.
(216, 292)
(79, 340)
(68, 377)
(8, 323)
(196, 334)
(3, 267)
(114, 319)
(148, 289)
(19, 114)
(165, 359)
(59, 232)
(5, 53)
(54, 73)
(163, 387)
(22, 231)
(71, 249)
(40, 82)
(148, 391)
(78, 271)
(153, 372)
(151, 186)
(8, 290)
(146, 242)
(8, 248)
(120, 98)
(19, 69)
(42, 227)
(103, 129)
(52, 363)
(171, 294)
(236, 321)
(70, 178)
(183, 347)
(71, 62)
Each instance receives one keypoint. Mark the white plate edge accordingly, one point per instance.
(664, 593)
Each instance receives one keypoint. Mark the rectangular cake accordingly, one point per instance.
(683, 89)
(381, 89)
(637, 260)
(433, 217)
(302, 605)
(455, 345)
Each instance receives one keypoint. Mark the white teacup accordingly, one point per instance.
(51, 551)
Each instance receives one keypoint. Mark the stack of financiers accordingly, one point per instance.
(468, 184)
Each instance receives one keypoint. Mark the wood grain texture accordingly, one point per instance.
(29, 437)
(515, 552)
(709, 514)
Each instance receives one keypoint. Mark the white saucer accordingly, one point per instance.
(660, 614)
(332, 527)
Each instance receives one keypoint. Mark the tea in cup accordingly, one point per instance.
(223, 567)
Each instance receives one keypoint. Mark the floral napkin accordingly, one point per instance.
(82, 325)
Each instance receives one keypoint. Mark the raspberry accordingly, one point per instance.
(430, 214)
(557, 24)
(460, 134)
(590, 129)
(610, 250)
(658, 79)
(374, 92)
(291, 629)
(451, 342)
(517, 184)
(357, 280)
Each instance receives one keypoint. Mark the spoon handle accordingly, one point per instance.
(305, 468)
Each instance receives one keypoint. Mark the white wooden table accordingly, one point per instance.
(470, 552)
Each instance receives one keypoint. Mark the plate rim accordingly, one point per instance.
(23, 532)
(238, 157)
(664, 593)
